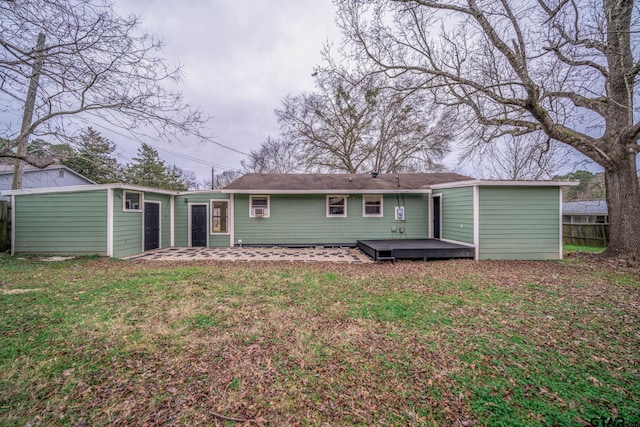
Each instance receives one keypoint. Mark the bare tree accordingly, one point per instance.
(565, 68)
(517, 158)
(275, 156)
(90, 64)
(353, 125)
(225, 178)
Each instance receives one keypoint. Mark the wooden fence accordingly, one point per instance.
(5, 226)
(586, 234)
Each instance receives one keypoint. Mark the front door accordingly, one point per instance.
(151, 226)
(199, 225)
(436, 217)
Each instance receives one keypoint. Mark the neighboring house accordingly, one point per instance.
(496, 219)
(585, 212)
(33, 177)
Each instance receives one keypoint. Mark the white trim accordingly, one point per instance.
(80, 188)
(218, 233)
(344, 197)
(561, 225)
(327, 190)
(259, 196)
(159, 223)
(13, 225)
(505, 183)
(476, 220)
(189, 242)
(140, 201)
(172, 219)
(364, 206)
(110, 208)
(431, 216)
(232, 230)
(457, 242)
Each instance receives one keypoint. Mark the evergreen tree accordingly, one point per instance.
(95, 158)
(149, 170)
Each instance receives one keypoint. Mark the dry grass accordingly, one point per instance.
(438, 343)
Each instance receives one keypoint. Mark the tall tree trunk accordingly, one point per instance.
(623, 199)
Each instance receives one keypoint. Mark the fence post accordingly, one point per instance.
(5, 226)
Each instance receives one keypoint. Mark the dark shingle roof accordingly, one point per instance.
(585, 207)
(350, 182)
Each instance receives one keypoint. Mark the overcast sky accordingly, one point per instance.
(240, 59)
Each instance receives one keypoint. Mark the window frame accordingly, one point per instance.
(251, 208)
(213, 216)
(140, 201)
(344, 197)
(364, 206)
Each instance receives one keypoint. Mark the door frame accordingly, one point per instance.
(144, 211)
(206, 204)
(431, 216)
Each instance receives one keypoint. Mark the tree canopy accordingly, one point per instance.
(359, 125)
(64, 63)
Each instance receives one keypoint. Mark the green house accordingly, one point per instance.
(497, 219)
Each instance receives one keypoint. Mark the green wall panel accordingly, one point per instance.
(62, 223)
(519, 222)
(301, 219)
(128, 226)
(457, 214)
(182, 217)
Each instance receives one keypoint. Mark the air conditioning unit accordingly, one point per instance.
(258, 212)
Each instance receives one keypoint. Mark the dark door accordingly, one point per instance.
(436, 217)
(151, 226)
(199, 225)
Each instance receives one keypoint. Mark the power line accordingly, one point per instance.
(184, 156)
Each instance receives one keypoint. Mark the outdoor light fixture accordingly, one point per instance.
(186, 200)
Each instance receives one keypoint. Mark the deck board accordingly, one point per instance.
(424, 249)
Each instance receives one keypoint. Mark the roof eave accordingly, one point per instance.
(329, 191)
(496, 183)
(88, 187)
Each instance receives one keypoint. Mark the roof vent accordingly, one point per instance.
(374, 174)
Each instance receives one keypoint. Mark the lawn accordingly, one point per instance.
(95, 342)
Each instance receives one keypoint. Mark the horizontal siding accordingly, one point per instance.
(127, 229)
(301, 219)
(457, 214)
(519, 223)
(62, 223)
(182, 217)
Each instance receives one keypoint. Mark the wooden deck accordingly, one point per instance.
(424, 249)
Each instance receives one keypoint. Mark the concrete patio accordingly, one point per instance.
(319, 254)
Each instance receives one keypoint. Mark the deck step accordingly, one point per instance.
(386, 258)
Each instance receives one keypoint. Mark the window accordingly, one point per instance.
(220, 216)
(336, 206)
(132, 201)
(259, 206)
(371, 205)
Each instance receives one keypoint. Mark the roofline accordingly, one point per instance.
(498, 183)
(182, 193)
(88, 187)
(329, 191)
(53, 167)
